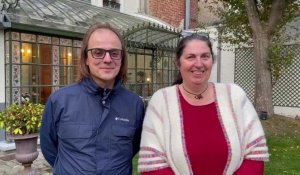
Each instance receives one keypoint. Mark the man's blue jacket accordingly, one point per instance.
(91, 131)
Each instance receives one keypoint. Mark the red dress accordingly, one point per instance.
(205, 142)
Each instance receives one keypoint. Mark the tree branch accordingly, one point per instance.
(275, 15)
(253, 16)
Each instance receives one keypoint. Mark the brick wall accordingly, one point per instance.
(173, 11)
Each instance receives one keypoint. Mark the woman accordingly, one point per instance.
(198, 127)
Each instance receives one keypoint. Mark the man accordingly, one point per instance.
(94, 126)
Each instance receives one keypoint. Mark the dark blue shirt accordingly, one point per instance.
(89, 130)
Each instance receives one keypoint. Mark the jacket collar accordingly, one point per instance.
(91, 86)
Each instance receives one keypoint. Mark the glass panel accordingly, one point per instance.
(25, 94)
(45, 71)
(65, 75)
(65, 42)
(36, 69)
(76, 63)
(149, 52)
(7, 52)
(16, 96)
(148, 86)
(165, 76)
(66, 56)
(165, 62)
(44, 39)
(44, 53)
(140, 82)
(28, 37)
(16, 52)
(7, 75)
(159, 76)
(55, 61)
(131, 76)
(77, 43)
(28, 53)
(15, 36)
(7, 35)
(148, 62)
(7, 97)
(16, 75)
(131, 60)
(159, 62)
(55, 41)
(66, 72)
(45, 82)
(26, 75)
(29, 94)
(55, 55)
(55, 80)
(140, 61)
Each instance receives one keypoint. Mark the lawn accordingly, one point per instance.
(283, 139)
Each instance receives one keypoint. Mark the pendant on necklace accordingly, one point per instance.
(198, 97)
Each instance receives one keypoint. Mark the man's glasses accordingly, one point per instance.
(98, 53)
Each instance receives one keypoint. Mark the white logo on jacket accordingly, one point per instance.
(122, 119)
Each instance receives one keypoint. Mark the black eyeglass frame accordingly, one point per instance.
(109, 52)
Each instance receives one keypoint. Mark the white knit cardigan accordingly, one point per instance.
(163, 143)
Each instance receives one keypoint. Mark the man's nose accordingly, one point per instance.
(107, 57)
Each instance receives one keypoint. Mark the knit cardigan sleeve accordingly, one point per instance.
(152, 155)
(253, 137)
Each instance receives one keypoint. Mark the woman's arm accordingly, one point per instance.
(250, 167)
(254, 140)
(152, 155)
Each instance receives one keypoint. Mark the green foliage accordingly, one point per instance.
(235, 28)
(279, 60)
(235, 25)
(22, 119)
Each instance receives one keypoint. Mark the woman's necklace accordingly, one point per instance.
(196, 96)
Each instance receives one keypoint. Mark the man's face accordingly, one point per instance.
(104, 70)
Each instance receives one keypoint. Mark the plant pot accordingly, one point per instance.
(26, 150)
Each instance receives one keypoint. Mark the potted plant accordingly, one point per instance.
(22, 122)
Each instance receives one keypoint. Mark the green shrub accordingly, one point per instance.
(22, 119)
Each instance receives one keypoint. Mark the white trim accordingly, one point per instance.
(287, 111)
(2, 68)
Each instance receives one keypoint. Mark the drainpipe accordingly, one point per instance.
(140, 7)
(187, 14)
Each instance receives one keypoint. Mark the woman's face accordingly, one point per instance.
(195, 63)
